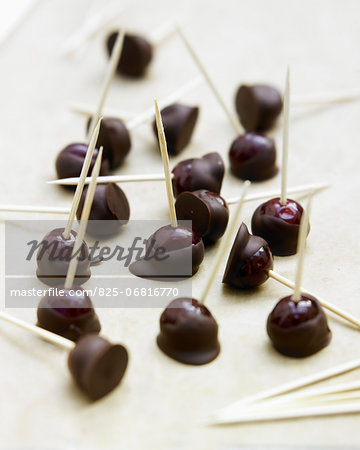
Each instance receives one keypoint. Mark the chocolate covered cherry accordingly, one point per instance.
(179, 122)
(253, 157)
(68, 312)
(172, 253)
(54, 256)
(208, 212)
(110, 210)
(96, 365)
(188, 332)
(137, 52)
(249, 261)
(258, 106)
(70, 160)
(199, 173)
(279, 225)
(298, 328)
(115, 140)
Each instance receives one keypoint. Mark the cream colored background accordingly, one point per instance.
(160, 403)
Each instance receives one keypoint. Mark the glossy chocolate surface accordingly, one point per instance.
(253, 157)
(279, 225)
(258, 106)
(54, 256)
(188, 332)
(249, 261)
(115, 140)
(207, 210)
(109, 212)
(180, 252)
(68, 312)
(298, 329)
(136, 55)
(199, 173)
(97, 366)
(179, 122)
(70, 160)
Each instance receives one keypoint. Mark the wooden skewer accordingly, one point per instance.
(88, 110)
(334, 309)
(285, 147)
(225, 241)
(81, 180)
(326, 98)
(35, 209)
(83, 222)
(112, 179)
(291, 386)
(301, 250)
(48, 335)
(115, 56)
(165, 160)
(306, 188)
(234, 121)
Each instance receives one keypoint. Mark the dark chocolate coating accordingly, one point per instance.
(298, 329)
(249, 261)
(199, 173)
(182, 246)
(207, 210)
(54, 256)
(136, 55)
(70, 160)
(253, 157)
(188, 332)
(115, 140)
(179, 122)
(110, 206)
(68, 312)
(278, 225)
(97, 366)
(258, 106)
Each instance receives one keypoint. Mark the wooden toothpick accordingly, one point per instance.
(165, 160)
(114, 60)
(83, 222)
(225, 241)
(111, 179)
(45, 334)
(303, 231)
(81, 180)
(285, 143)
(234, 121)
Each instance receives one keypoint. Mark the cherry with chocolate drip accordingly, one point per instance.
(110, 210)
(115, 139)
(208, 212)
(179, 122)
(188, 332)
(137, 53)
(199, 173)
(253, 157)
(172, 254)
(97, 365)
(249, 261)
(258, 106)
(70, 160)
(279, 225)
(68, 312)
(298, 328)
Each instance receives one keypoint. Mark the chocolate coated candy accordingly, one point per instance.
(249, 261)
(68, 312)
(179, 122)
(188, 332)
(300, 328)
(253, 157)
(258, 106)
(207, 210)
(137, 52)
(199, 173)
(97, 366)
